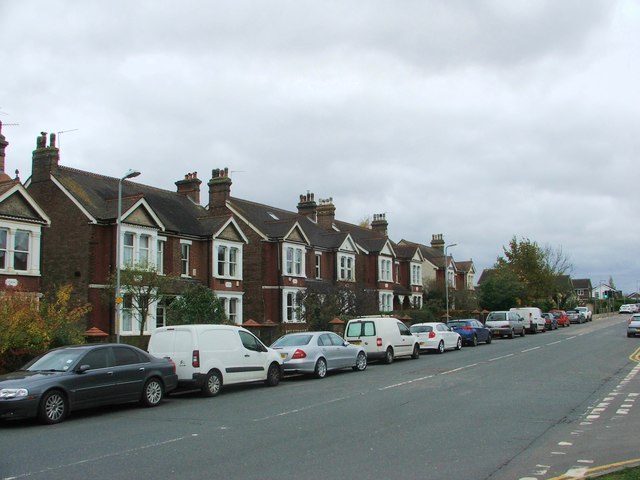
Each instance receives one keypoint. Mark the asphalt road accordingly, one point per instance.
(528, 408)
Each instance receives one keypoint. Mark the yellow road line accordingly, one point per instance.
(635, 356)
(590, 471)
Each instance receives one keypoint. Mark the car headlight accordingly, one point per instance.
(13, 392)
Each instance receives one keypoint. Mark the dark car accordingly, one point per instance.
(550, 321)
(471, 331)
(83, 376)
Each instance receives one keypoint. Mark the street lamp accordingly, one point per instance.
(129, 174)
(446, 278)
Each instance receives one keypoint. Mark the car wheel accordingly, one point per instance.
(416, 352)
(152, 393)
(489, 338)
(441, 347)
(361, 362)
(512, 334)
(459, 344)
(273, 375)
(212, 384)
(388, 356)
(53, 407)
(320, 371)
(629, 335)
(474, 341)
(523, 332)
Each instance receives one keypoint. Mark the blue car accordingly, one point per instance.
(471, 331)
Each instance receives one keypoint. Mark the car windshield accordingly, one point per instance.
(292, 341)
(496, 316)
(420, 329)
(55, 360)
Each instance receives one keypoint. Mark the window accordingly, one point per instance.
(98, 358)
(4, 234)
(161, 310)
(292, 310)
(385, 269)
(318, 264)
(185, 249)
(232, 304)
(294, 260)
(125, 356)
(160, 255)
(127, 313)
(386, 302)
(127, 249)
(416, 275)
(144, 249)
(228, 258)
(21, 250)
(345, 270)
(416, 301)
(250, 342)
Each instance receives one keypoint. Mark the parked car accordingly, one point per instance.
(628, 308)
(633, 328)
(550, 321)
(436, 336)
(383, 338)
(207, 357)
(318, 353)
(505, 324)
(471, 331)
(575, 316)
(586, 312)
(82, 376)
(561, 317)
(532, 317)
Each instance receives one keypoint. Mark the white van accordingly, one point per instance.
(383, 338)
(210, 356)
(532, 316)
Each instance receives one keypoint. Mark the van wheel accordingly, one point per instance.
(321, 368)
(441, 347)
(388, 356)
(152, 393)
(273, 375)
(361, 362)
(513, 334)
(416, 352)
(212, 384)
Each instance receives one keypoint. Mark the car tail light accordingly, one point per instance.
(299, 354)
(432, 334)
(379, 342)
(195, 359)
(467, 328)
(173, 364)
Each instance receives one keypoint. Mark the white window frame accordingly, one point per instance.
(293, 260)
(416, 274)
(34, 233)
(160, 244)
(290, 313)
(385, 301)
(385, 271)
(227, 270)
(135, 253)
(131, 314)
(416, 301)
(185, 263)
(318, 265)
(227, 299)
(346, 267)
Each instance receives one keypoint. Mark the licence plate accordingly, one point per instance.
(283, 355)
(355, 342)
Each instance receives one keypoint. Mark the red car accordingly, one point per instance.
(563, 318)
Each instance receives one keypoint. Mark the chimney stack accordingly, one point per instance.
(45, 158)
(437, 242)
(308, 206)
(190, 187)
(219, 191)
(379, 223)
(326, 212)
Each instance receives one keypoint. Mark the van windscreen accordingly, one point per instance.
(361, 329)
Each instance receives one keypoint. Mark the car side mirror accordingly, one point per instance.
(83, 368)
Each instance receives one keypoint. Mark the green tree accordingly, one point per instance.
(197, 304)
(144, 286)
(501, 290)
(63, 321)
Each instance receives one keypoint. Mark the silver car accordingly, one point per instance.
(318, 352)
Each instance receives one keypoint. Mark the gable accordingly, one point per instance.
(16, 205)
(348, 245)
(387, 250)
(296, 235)
(231, 234)
(140, 216)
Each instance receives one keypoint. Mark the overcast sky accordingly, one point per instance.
(480, 119)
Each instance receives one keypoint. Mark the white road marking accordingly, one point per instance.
(530, 349)
(500, 358)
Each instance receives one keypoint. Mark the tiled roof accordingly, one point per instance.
(98, 194)
(583, 283)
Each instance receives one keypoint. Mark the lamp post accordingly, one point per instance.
(129, 174)
(446, 278)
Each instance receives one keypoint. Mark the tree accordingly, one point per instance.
(197, 304)
(141, 286)
(501, 290)
(63, 320)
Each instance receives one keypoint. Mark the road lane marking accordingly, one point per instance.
(458, 369)
(554, 343)
(500, 358)
(529, 349)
